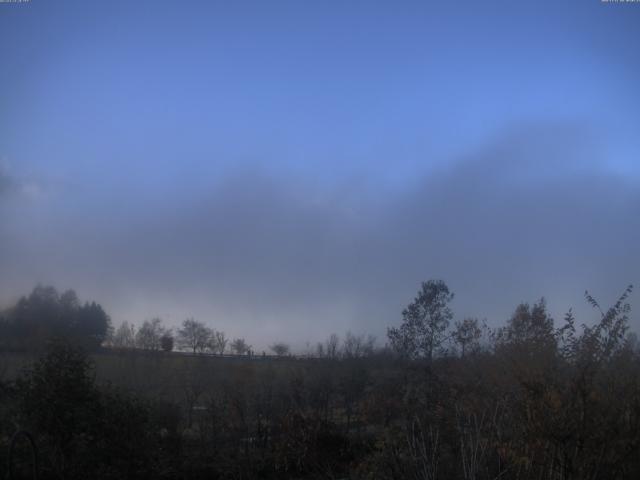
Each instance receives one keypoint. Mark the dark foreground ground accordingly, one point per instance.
(533, 403)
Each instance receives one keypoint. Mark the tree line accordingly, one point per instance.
(45, 313)
(534, 398)
(196, 337)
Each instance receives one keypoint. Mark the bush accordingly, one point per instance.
(81, 430)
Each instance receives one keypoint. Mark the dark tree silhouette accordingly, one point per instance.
(124, 336)
(149, 335)
(194, 336)
(166, 342)
(240, 347)
(46, 314)
(424, 322)
(466, 334)
(280, 348)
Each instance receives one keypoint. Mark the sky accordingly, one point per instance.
(283, 170)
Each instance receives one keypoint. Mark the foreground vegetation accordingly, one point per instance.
(530, 400)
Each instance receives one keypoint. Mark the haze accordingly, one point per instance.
(284, 170)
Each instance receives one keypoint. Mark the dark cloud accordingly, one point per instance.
(272, 256)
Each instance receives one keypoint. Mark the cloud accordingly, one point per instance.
(269, 255)
(6, 183)
(12, 185)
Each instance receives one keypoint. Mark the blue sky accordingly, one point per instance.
(312, 127)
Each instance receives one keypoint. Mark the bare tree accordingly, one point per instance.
(356, 346)
(333, 346)
(240, 347)
(124, 336)
(194, 335)
(218, 342)
(149, 334)
(353, 345)
(280, 348)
